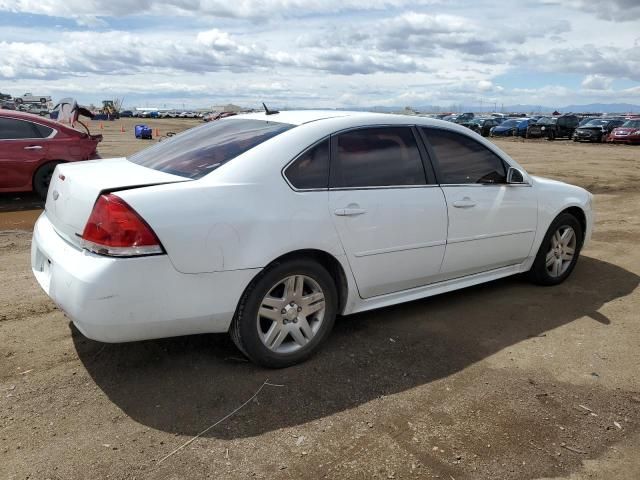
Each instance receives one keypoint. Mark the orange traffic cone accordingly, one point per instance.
(157, 132)
(101, 126)
(121, 128)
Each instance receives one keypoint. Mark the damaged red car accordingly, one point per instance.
(629, 132)
(31, 146)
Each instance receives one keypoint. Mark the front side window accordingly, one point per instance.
(12, 129)
(461, 159)
(377, 157)
(311, 169)
(199, 151)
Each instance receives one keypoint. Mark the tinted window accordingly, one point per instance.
(463, 160)
(43, 131)
(311, 169)
(201, 150)
(11, 128)
(374, 157)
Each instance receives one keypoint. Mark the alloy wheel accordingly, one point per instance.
(290, 314)
(561, 251)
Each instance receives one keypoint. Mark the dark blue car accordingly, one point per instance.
(511, 127)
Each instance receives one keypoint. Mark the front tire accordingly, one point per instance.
(559, 251)
(285, 314)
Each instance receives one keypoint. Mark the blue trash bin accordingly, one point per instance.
(144, 132)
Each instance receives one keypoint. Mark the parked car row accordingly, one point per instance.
(165, 114)
(618, 129)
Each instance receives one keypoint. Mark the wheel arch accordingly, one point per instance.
(580, 215)
(327, 260)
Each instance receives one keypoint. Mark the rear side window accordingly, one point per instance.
(377, 157)
(11, 128)
(461, 159)
(311, 169)
(199, 151)
(43, 131)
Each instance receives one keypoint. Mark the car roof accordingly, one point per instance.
(299, 117)
(32, 117)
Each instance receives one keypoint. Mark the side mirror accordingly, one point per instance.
(515, 176)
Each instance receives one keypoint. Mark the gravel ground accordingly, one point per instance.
(500, 381)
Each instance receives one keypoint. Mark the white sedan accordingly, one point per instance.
(268, 225)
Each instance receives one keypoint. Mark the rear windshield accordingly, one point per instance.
(199, 151)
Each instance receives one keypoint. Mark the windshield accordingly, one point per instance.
(199, 151)
(596, 123)
(510, 123)
(631, 124)
(547, 121)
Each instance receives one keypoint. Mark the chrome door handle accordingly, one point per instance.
(33, 147)
(466, 202)
(349, 212)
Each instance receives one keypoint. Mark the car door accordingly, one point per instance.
(22, 148)
(492, 224)
(390, 215)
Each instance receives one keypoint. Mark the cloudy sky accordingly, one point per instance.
(323, 53)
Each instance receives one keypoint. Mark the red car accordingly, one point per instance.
(629, 132)
(31, 146)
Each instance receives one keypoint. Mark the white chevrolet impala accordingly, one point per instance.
(268, 225)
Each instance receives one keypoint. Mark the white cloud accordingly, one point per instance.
(318, 52)
(596, 82)
(612, 10)
(485, 85)
(216, 8)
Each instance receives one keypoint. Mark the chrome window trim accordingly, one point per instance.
(387, 187)
(383, 187)
(485, 185)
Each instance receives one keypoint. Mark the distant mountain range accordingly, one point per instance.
(591, 108)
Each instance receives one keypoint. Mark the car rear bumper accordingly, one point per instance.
(128, 299)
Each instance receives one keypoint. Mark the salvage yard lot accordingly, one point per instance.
(500, 381)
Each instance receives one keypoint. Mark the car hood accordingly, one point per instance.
(549, 183)
(626, 130)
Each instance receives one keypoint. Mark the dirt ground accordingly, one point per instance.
(501, 381)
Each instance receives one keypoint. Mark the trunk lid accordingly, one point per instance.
(75, 187)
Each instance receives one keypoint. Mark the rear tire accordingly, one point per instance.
(559, 251)
(42, 178)
(285, 314)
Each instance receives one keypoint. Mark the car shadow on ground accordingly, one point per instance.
(17, 202)
(182, 385)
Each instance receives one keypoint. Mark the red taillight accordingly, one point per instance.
(114, 228)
